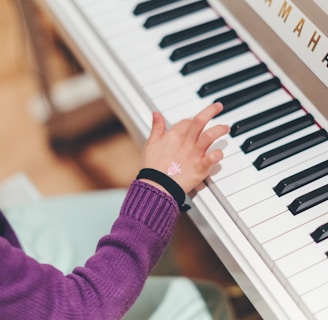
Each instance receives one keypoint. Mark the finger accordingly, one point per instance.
(180, 129)
(212, 158)
(210, 135)
(158, 127)
(201, 119)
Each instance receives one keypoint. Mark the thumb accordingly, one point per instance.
(158, 127)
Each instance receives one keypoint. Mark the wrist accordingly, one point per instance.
(163, 181)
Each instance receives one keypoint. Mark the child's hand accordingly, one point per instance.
(184, 146)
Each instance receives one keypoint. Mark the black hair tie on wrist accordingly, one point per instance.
(166, 182)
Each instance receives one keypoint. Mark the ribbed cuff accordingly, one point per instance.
(152, 206)
(167, 183)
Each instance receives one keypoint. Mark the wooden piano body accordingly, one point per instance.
(243, 260)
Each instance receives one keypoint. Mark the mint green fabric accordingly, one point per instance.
(64, 230)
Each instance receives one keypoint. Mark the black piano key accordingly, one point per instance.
(273, 156)
(302, 178)
(309, 200)
(239, 98)
(260, 140)
(213, 58)
(262, 118)
(185, 51)
(186, 34)
(232, 79)
(169, 15)
(320, 234)
(146, 6)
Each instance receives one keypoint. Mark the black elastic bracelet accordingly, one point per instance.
(166, 182)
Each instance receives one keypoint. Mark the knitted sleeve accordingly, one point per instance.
(111, 280)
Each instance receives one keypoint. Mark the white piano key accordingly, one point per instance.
(316, 300)
(251, 174)
(109, 8)
(121, 28)
(247, 197)
(170, 100)
(105, 14)
(193, 89)
(264, 190)
(182, 23)
(190, 84)
(280, 222)
(113, 3)
(240, 139)
(304, 282)
(230, 165)
(99, 6)
(285, 140)
(135, 50)
(187, 110)
(133, 34)
(167, 7)
(192, 107)
(289, 197)
(155, 74)
(155, 56)
(264, 103)
(194, 81)
(249, 178)
(155, 35)
(185, 94)
(162, 67)
(323, 313)
(256, 214)
(220, 70)
(290, 241)
(114, 18)
(113, 22)
(82, 3)
(300, 260)
(136, 36)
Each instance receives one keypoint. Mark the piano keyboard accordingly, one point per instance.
(273, 182)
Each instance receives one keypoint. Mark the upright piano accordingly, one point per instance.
(264, 208)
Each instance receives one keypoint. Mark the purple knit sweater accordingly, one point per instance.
(110, 281)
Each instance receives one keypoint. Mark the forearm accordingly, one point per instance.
(110, 281)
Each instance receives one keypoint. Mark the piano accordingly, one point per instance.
(264, 208)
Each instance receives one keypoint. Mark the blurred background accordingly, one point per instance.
(78, 144)
(27, 136)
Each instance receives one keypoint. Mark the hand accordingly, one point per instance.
(186, 143)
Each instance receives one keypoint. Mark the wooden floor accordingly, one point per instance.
(109, 161)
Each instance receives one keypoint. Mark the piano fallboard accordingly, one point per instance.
(137, 77)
